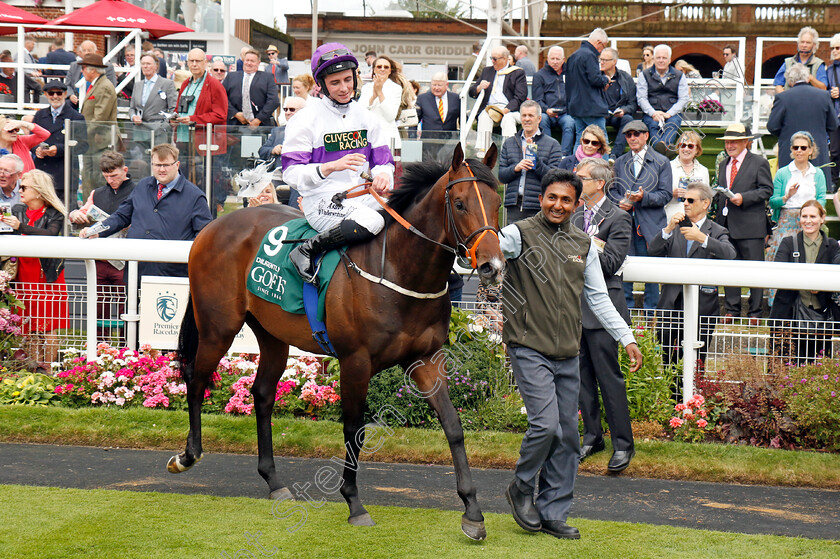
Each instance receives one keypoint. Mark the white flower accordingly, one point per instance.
(477, 328)
(523, 411)
(120, 401)
(495, 337)
(128, 353)
(130, 360)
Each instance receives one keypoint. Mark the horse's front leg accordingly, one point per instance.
(430, 375)
(355, 376)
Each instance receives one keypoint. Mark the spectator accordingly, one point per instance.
(802, 107)
(11, 167)
(130, 60)
(12, 141)
(49, 154)
(218, 69)
(8, 77)
(74, 73)
(240, 62)
(662, 93)
(734, 68)
(621, 98)
(747, 178)
(525, 160)
(647, 60)
(58, 56)
(273, 147)
(549, 90)
(303, 85)
(585, 84)
(163, 206)
(153, 103)
(687, 69)
(593, 143)
(35, 83)
(42, 287)
(702, 239)
(807, 43)
(277, 67)
(643, 186)
(252, 94)
(809, 244)
(149, 48)
(685, 169)
(520, 55)
(370, 60)
(833, 74)
(99, 102)
(108, 199)
(439, 111)
(505, 88)
(610, 230)
(473, 60)
(267, 195)
(793, 185)
(542, 334)
(387, 95)
(201, 101)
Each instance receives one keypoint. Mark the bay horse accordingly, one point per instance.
(372, 326)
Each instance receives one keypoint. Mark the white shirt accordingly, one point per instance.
(807, 186)
(698, 173)
(497, 95)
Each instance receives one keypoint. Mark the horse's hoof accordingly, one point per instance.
(282, 494)
(473, 530)
(175, 466)
(361, 520)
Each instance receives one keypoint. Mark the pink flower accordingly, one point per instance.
(702, 423)
(676, 422)
(680, 407)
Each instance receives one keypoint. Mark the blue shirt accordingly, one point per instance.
(779, 79)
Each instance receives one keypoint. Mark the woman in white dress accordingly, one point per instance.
(685, 169)
(386, 95)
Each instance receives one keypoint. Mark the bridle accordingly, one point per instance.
(462, 246)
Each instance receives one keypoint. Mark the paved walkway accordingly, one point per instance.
(809, 513)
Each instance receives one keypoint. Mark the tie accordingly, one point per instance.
(88, 85)
(734, 173)
(637, 163)
(688, 247)
(440, 108)
(246, 98)
(147, 88)
(587, 219)
(161, 186)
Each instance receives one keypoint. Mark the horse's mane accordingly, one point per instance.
(418, 178)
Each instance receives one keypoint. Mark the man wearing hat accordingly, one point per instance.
(99, 107)
(642, 187)
(743, 209)
(49, 156)
(277, 67)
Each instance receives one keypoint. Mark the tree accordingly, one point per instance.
(431, 9)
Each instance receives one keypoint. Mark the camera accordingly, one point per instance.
(184, 104)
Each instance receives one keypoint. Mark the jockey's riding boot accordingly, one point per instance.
(348, 232)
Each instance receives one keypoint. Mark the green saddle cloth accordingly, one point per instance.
(274, 278)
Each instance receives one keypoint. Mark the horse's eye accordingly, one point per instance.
(459, 206)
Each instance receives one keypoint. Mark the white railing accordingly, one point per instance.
(691, 273)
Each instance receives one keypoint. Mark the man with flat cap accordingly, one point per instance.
(99, 107)
(49, 155)
(742, 209)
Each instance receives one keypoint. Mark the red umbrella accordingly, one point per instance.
(117, 13)
(11, 14)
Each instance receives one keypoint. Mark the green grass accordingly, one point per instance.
(167, 430)
(66, 523)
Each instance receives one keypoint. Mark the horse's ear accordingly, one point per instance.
(457, 157)
(491, 156)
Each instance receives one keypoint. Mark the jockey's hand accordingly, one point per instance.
(351, 161)
(381, 182)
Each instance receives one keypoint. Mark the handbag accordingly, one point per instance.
(10, 266)
(407, 118)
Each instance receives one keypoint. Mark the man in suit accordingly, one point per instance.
(164, 206)
(58, 56)
(642, 187)
(50, 157)
(439, 111)
(74, 73)
(803, 107)
(252, 95)
(155, 95)
(610, 229)
(522, 168)
(35, 82)
(99, 107)
(505, 87)
(747, 178)
(549, 90)
(702, 239)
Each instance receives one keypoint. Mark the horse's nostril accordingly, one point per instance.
(486, 269)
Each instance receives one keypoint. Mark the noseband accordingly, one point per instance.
(462, 246)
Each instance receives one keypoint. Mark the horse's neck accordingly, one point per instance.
(417, 260)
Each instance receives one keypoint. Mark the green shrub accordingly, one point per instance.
(650, 390)
(812, 394)
(24, 389)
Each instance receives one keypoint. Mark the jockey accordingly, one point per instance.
(329, 144)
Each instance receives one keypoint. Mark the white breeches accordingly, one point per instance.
(322, 214)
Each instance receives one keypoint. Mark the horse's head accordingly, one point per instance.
(472, 208)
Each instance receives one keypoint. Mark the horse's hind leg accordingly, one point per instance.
(432, 383)
(273, 355)
(355, 376)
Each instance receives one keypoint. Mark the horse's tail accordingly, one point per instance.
(188, 343)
